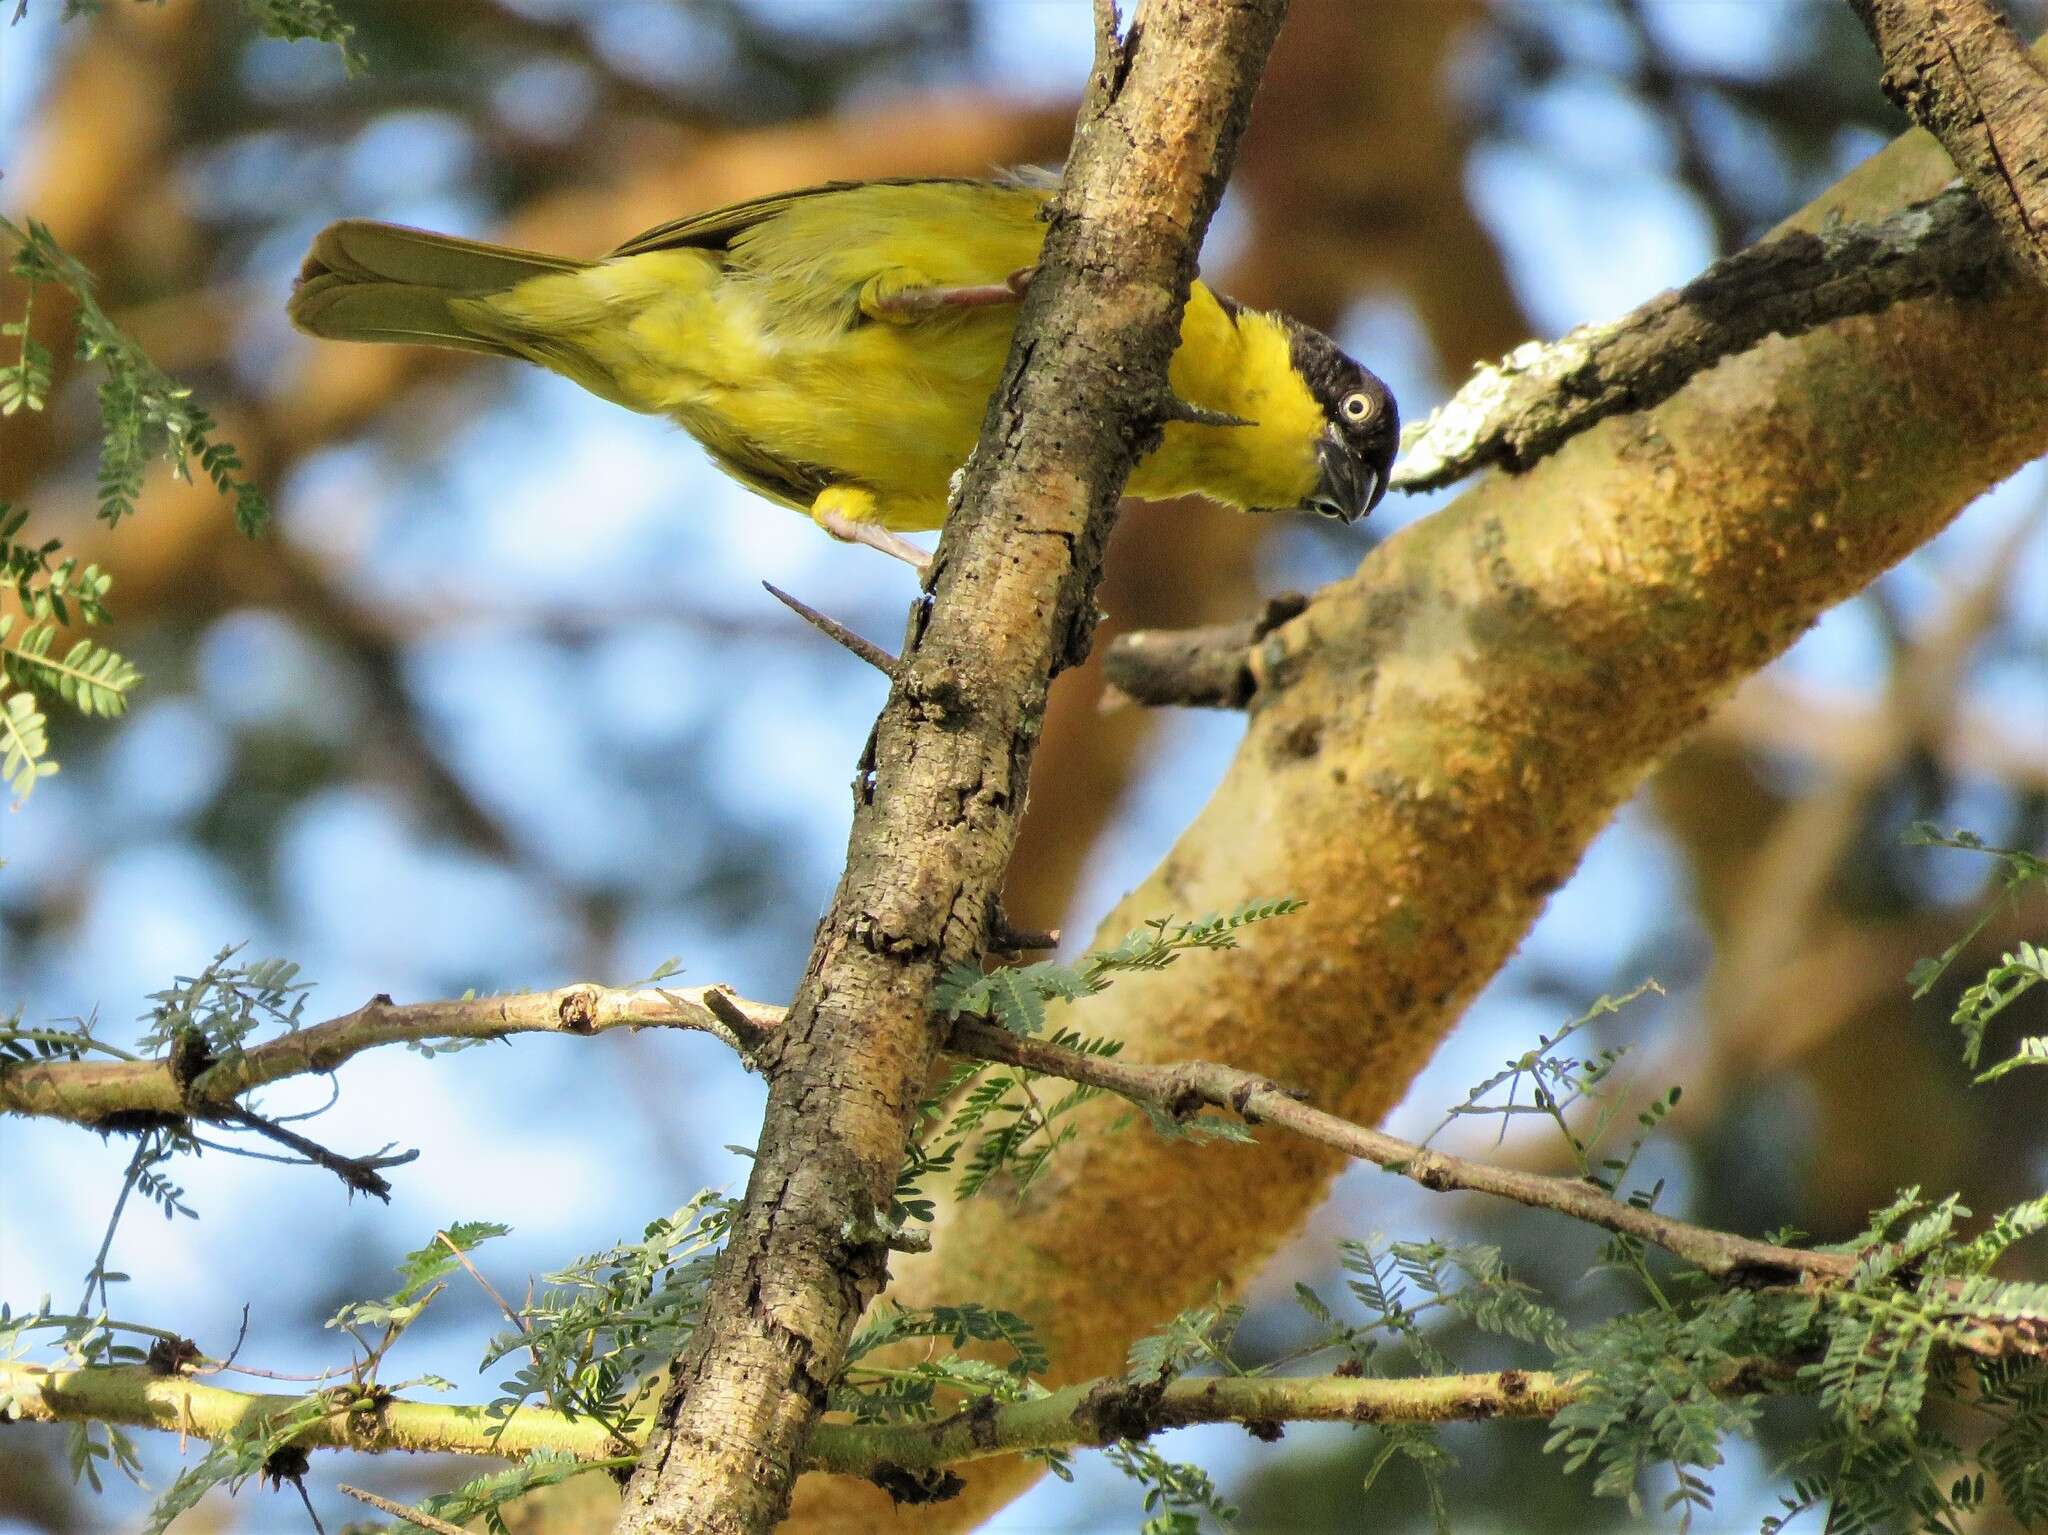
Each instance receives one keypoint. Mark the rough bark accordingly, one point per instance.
(943, 787)
(1541, 396)
(1959, 70)
(1441, 737)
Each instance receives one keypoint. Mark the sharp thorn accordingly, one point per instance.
(867, 650)
(1174, 408)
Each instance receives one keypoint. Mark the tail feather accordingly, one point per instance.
(365, 281)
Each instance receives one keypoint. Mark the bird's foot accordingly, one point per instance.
(899, 297)
(848, 514)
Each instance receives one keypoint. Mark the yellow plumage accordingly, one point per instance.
(772, 331)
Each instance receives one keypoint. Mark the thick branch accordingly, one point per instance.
(949, 759)
(1095, 1413)
(1177, 1090)
(178, 1404)
(1541, 395)
(1201, 668)
(1435, 741)
(1959, 70)
(109, 1094)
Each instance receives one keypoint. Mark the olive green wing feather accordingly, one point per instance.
(782, 481)
(716, 228)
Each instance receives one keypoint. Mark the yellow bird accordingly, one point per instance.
(834, 348)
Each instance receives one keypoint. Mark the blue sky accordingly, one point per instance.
(596, 738)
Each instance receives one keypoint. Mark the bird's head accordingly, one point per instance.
(1361, 429)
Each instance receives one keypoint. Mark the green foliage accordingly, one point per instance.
(294, 20)
(22, 1046)
(424, 1270)
(2016, 973)
(610, 1317)
(1556, 1082)
(1919, 1327)
(918, 1390)
(316, 21)
(1201, 1335)
(45, 591)
(605, 1321)
(25, 759)
(145, 417)
(993, 1127)
(485, 1497)
(1015, 995)
(224, 1003)
(233, 1459)
(1654, 1394)
(962, 1324)
(88, 676)
(1176, 1494)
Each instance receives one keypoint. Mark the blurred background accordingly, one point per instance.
(500, 703)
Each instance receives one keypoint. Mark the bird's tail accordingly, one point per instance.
(364, 281)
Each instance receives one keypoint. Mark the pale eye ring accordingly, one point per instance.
(1356, 407)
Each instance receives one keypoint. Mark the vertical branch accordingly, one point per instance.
(944, 777)
(1959, 70)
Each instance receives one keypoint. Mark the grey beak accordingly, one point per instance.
(1345, 488)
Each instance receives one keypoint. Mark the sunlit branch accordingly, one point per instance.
(1178, 1090)
(1092, 1413)
(1530, 404)
(131, 1094)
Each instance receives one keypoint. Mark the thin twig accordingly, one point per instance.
(360, 1174)
(1177, 1090)
(118, 1093)
(399, 1510)
(525, 1327)
(97, 1274)
(305, 1497)
(832, 628)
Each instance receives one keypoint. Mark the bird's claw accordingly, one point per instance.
(892, 544)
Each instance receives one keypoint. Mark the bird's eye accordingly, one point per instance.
(1356, 407)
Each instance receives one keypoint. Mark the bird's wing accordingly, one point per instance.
(716, 228)
(783, 481)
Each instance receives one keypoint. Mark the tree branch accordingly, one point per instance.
(360, 1420)
(1093, 1413)
(1178, 1090)
(118, 1094)
(1435, 741)
(935, 825)
(1960, 71)
(1540, 396)
(1526, 407)
(1206, 668)
(92, 1093)
(1101, 1412)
